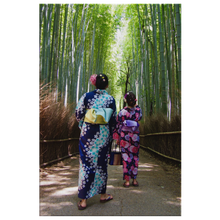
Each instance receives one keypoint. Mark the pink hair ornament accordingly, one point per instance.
(93, 79)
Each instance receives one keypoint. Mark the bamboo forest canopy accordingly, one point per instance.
(138, 46)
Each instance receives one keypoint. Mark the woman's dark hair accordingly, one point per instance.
(130, 99)
(101, 81)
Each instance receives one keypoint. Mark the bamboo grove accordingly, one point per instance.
(77, 40)
(152, 57)
(74, 44)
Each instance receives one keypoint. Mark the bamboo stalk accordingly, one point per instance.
(138, 83)
(152, 109)
(38, 42)
(147, 64)
(178, 24)
(173, 107)
(61, 72)
(140, 64)
(154, 25)
(78, 55)
(93, 44)
(48, 61)
(164, 97)
(43, 49)
(56, 43)
(169, 62)
(74, 43)
(181, 63)
(133, 62)
(52, 45)
(82, 55)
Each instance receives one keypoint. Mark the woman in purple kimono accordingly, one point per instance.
(127, 135)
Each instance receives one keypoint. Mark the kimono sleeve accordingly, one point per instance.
(138, 113)
(112, 122)
(117, 130)
(80, 109)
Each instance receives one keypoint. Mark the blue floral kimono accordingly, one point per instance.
(94, 143)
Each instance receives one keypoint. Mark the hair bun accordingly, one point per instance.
(130, 98)
(101, 81)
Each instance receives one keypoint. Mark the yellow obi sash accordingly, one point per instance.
(98, 116)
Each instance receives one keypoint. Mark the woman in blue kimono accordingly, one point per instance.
(96, 114)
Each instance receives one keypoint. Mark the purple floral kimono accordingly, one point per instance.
(127, 132)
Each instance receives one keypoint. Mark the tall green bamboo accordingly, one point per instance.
(74, 48)
(154, 25)
(61, 50)
(79, 54)
(52, 45)
(84, 69)
(71, 93)
(133, 83)
(48, 60)
(43, 49)
(175, 62)
(138, 72)
(181, 64)
(38, 40)
(153, 97)
(82, 53)
(93, 44)
(56, 43)
(173, 70)
(141, 59)
(166, 57)
(178, 24)
(68, 58)
(61, 72)
(169, 61)
(164, 96)
(98, 57)
(147, 76)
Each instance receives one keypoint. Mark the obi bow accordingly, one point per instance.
(98, 116)
(129, 125)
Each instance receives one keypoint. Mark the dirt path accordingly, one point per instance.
(159, 193)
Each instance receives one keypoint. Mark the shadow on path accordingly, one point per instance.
(158, 194)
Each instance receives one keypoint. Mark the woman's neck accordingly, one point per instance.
(130, 106)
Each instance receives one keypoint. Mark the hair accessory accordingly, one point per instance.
(93, 79)
(135, 100)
